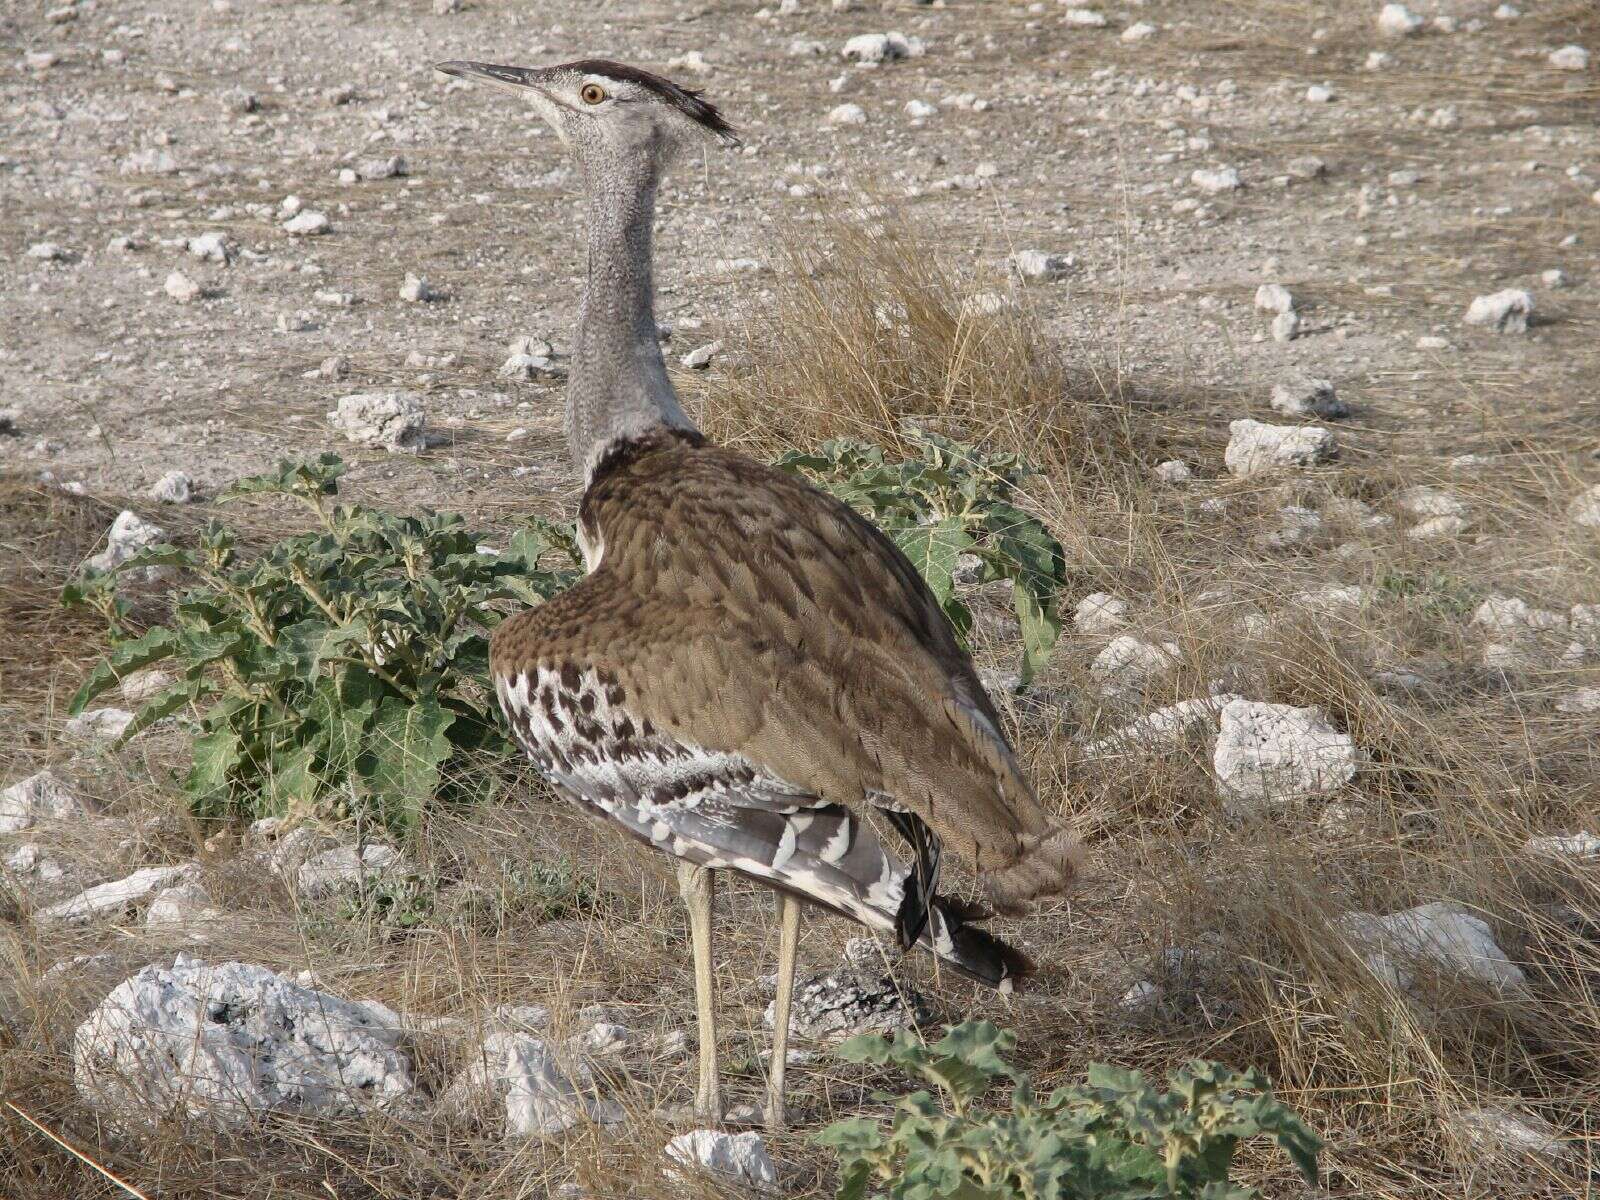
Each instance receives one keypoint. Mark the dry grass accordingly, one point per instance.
(1458, 775)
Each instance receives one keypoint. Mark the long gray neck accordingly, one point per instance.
(618, 386)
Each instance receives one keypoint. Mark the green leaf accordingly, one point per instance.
(1040, 629)
(409, 743)
(934, 551)
(168, 701)
(161, 555)
(216, 755)
(292, 778)
(125, 658)
(853, 1135)
(343, 707)
(979, 1044)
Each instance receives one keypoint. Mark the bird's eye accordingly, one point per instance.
(592, 93)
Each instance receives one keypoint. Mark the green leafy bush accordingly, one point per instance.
(949, 501)
(1115, 1137)
(346, 665)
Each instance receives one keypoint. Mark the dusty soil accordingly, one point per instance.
(1463, 164)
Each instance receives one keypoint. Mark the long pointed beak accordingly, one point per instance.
(508, 79)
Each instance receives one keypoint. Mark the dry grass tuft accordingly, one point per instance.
(872, 329)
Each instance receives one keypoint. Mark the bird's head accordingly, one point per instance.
(606, 110)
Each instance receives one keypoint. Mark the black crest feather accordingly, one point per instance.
(686, 101)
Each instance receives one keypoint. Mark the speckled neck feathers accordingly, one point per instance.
(618, 388)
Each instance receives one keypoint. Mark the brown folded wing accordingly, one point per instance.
(746, 612)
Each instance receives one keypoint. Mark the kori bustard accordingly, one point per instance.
(750, 677)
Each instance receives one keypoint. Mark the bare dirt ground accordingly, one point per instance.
(1461, 164)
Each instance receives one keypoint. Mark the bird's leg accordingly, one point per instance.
(788, 951)
(699, 889)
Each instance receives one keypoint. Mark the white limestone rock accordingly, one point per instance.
(1274, 298)
(1297, 526)
(1441, 935)
(1585, 508)
(1271, 753)
(530, 367)
(346, 869)
(1423, 501)
(183, 910)
(31, 869)
(1506, 311)
(1355, 512)
(538, 1095)
(1580, 845)
(1174, 471)
(1580, 700)
(114, 899)
(873, 48)
(390, 421)
(987, 304)
(152, 160)
(1039, 265)
(736, 1157)
(1437, 529)
(98, 725)
(128, 535)
(1255, 448)
(1215, 182)
(175, 487)
(1336, 600)
(1518, 636)
(1303, 396)
(1166, 728)
(1139, 31)
(1396, 20)
(847, 114)
(224, 1043)
(306, 223)
(211, 247)
(1130, 665)
(373, 169)
(181, 288)
(1569, 58)
(699, 359)
(843, 1003)
(39, 797)
(1285, 327)
(414, 289)
(1100, 612)
(1502, 1133)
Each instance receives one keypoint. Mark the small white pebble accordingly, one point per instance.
(1396, 20)
(1570, 58)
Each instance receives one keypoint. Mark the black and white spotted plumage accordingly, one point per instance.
(719, 810)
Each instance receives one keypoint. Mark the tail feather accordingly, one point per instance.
(824, 854)
(974, 952)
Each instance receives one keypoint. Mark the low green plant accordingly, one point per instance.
(1439, 593)
(1115, 1137)
(346, 665)
(397, 902)
(953, 500)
